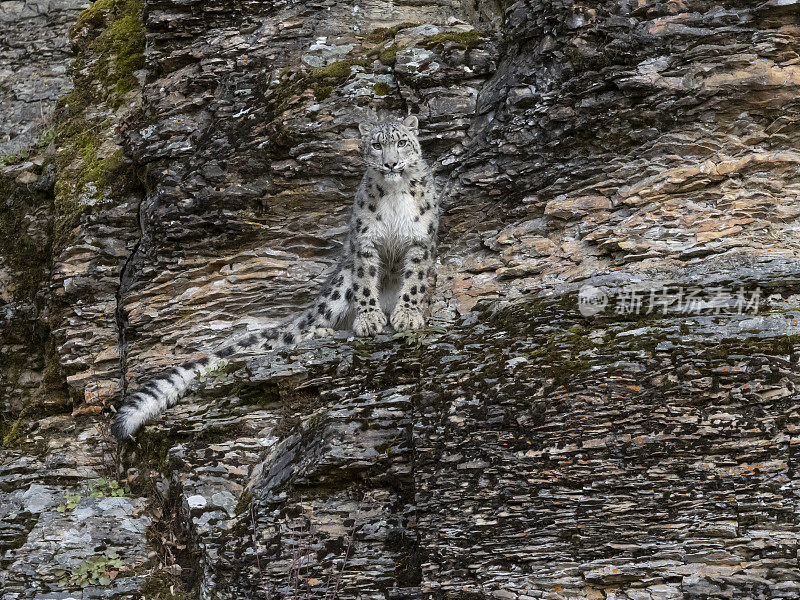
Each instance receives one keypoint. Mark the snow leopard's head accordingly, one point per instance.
(391, 147)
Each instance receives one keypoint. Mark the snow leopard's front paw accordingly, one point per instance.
(405, 318)
(369, 323)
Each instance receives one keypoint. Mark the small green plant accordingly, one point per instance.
(70, 502)
(219, 374)
(104, 488)
(417, 336)
(97, 488)
(13, 159)
(98, 570)
(44, 140)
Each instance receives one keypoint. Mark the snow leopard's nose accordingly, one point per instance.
(390, 165)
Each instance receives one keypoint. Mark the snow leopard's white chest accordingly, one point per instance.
(398, 224)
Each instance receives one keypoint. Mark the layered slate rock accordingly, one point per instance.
(69, 223)
(97, 195)
(516, 448)
(250, 138)
(68, 527)
(604, 457)
(35, 57)
(526, 451)
(631, 137)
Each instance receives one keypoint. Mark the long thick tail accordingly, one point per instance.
(158, 394)
(164, 390)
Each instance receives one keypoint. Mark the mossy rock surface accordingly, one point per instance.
(382, 34)
(321, 80)
(382, 89)
(463, 39)
(110, 38)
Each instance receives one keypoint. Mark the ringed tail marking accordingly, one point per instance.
(165, 389)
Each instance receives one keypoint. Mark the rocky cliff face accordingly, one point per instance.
(192, 182)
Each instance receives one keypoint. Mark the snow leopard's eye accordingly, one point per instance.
(402, 143)
(376, 146)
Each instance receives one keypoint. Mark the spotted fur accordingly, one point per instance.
(383, 269)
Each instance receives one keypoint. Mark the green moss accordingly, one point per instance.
(13, 434)
(68, 213)
(28, 259)
(264, 394)
(161, 585)
(776, 346)
(94, 15)
(571, 355)
(155, 446)
(322, 92)
(119, 48)
(110, 38)
(13, 428)
(321, 80)
(125, 40)
(24, 255)
(362, 348)
(112, 31)
(381, 34)
(383, 89)
(388, 56)
(81, 168)
(465, 39)
(244, 502)
(337, 72)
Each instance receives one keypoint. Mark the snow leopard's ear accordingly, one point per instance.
(412, 123)
(365, 129)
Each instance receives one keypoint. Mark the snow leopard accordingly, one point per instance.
(383, 269)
